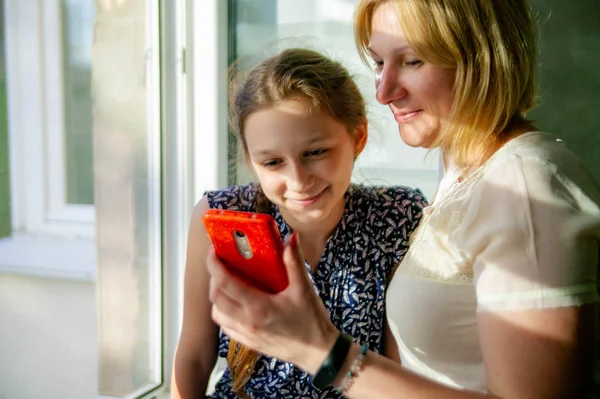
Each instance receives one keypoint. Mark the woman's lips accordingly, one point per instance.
(402, 117)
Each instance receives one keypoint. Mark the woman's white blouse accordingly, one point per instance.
(521, 232)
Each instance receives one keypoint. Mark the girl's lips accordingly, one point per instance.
(308, 201)
(402, 117)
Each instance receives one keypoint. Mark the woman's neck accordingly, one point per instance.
(515, 128)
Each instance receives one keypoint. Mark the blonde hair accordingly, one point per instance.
(318, 82)
(492, 45)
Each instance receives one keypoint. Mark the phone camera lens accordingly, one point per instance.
(242, 244)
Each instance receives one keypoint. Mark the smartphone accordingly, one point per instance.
(250, 246)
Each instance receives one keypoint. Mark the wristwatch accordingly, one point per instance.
(332, 365)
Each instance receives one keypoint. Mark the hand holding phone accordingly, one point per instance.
(250, 246)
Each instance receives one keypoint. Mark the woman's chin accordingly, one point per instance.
(416, 138)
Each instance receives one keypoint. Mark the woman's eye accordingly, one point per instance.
(413, 62)
(377, 64)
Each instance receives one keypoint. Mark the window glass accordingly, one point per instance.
(78, 18)
(81, 314)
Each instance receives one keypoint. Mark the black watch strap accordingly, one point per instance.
(333, 363)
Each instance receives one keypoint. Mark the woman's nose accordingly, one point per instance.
(389, 86)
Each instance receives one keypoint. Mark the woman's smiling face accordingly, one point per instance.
(419, 94)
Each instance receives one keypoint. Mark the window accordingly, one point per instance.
(82, 255)
(50, 117)
(78, 160)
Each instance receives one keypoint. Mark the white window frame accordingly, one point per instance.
(194, 63)
(195, 160)
(59, 210)
(188, 167)
(35, 94)
(41, 220)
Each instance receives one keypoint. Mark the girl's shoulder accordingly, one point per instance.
(235, 198)
(387, 214)
(383, 198)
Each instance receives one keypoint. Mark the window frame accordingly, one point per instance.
(187, 166)
(59, 210)
(41, 220)
(37, 162)
(195, 158)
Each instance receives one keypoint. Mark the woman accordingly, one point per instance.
(496, 296)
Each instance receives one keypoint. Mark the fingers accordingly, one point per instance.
(223, 302)
(237, 336)
(294, 262)
(231, 325)
(229, 284)
(226, 311)
(236, 304)
(223, 318)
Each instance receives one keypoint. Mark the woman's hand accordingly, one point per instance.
(292, 325)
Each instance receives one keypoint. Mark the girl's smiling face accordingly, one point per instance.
(303, 160)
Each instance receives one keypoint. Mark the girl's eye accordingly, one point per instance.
(271, 163)
(315, 153)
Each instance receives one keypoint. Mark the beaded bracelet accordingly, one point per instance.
(356, 367)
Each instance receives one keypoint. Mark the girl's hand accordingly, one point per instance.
(292, 325)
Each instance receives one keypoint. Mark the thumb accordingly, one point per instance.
(294, 261)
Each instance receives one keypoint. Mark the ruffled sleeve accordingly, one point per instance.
(532, 234)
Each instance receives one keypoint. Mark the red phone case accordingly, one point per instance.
(264, 269)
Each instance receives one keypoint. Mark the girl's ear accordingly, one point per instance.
(361, 134)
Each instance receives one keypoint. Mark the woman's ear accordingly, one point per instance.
(361, 134)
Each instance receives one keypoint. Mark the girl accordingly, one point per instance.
(497, 295)
(302, 123)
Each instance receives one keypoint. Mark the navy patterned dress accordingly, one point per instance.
(351, 277)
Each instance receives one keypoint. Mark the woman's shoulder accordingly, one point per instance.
(539, 147)
(535, 180)
(236, 197)
(538, 159)
(530, 221)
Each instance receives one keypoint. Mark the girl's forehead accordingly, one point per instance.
(284, 128)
